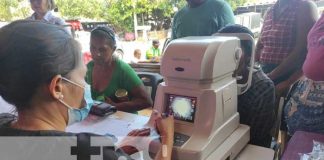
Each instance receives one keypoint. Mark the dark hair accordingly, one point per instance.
(155, 42)
(105, 32)
(31, 54)
(236, 28)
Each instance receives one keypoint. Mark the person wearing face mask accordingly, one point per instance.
(43, 77)
(256, 105)
(110, 76)
(201, 18)
(77, 115)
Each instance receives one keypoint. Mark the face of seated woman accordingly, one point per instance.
(102, 45)
(43, 75)
(101, 51)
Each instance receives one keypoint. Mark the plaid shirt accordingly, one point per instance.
(278, 34)
(256, 108)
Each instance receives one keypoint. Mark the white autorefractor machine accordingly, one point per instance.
(201, 93)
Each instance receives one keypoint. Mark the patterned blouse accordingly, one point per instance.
(278, 34)
(305, 109)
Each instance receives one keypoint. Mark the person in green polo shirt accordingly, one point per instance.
(201, 18)
(154, 53)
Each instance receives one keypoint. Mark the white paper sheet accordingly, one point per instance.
(102, 126)
(6, 107)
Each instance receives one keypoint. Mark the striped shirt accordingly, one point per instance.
(256, 108)
(278, 35)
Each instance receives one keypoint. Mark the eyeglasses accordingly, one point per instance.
(79, 85)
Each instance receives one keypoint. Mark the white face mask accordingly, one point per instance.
(75, 114)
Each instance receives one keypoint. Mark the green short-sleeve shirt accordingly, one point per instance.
(203, 20)
(152, 52)
(123, 77)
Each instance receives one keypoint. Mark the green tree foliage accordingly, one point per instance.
(13, 10)
(76, 9)
(157, 12)
(235, 3)
(5, 9)
(161, 15)
(119, 13)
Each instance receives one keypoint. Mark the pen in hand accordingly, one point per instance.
(158, 117)
(157, 113)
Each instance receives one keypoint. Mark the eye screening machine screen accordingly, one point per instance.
(181, 107)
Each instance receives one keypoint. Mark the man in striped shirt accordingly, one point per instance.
(256, 106)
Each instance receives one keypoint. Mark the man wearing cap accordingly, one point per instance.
(154, 53)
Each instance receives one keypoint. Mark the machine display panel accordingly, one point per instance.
(181, 107)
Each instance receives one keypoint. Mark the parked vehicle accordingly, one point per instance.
(88, 26)
(119, 49)
(75, 24)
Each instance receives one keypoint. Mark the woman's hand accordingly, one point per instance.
(152, 121)
(139, 132)
(282, 88)
(136, 140)
(165, 126)
(109, 101)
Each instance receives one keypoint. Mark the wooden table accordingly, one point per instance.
(128, 122)
(118, 124)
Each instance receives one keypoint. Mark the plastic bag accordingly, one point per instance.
(316, 154)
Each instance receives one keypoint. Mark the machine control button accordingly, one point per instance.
(180, 139)
(179, 69)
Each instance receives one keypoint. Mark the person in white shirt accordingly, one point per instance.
(43, 11)
(137, 56)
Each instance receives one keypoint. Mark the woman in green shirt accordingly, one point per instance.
(107, 74)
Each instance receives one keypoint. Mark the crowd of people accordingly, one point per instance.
(44, 78)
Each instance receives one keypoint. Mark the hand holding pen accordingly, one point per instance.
(165, 127)
(164, 124)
